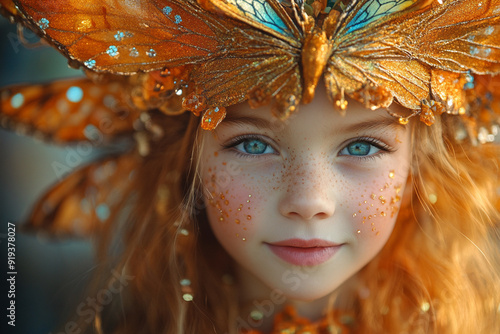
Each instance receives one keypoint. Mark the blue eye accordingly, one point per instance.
(252, 146)
(360, 148)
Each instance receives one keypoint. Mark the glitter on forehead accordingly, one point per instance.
(17, 100)
(74, 94)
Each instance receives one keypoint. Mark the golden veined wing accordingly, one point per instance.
(458, 35)
(82, 203)
(124, 37)
(69, 110)
(364, 65)
(261, 61)
(403, 54)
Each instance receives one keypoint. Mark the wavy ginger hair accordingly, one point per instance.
(438, 273)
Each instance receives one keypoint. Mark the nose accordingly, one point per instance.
(309, 195)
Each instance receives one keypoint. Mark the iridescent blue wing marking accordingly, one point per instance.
(262, 12)
(375, 9)
(265, 15)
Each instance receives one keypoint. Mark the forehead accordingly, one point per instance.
(316, 117)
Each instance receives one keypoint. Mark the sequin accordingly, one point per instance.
(43, 23)
(178, 19)
(119, 36)
(151, 53)
(89, 63)
(167, 10)
(74, 94)
(256, 315)
(17, 100)
(185, 282)
(134, 52)
(212, 117)
(489, 30)
(112, 51)
(102, 212)
(432, 198)
(187, 297)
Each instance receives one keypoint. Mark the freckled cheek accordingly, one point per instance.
(231, 206)
(375, 208)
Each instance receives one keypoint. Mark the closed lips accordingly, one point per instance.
(304, 252)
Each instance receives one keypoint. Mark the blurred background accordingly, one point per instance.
(51, 274)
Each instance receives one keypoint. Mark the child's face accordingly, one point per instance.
(302, 207)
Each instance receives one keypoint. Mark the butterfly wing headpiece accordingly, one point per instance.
(419, 53)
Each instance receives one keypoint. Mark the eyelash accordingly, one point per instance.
(240, 139)
(383, 147)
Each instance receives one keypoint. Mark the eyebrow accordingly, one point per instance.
(374, 124)
(261, 123)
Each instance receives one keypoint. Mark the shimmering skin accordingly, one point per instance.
(304, 187)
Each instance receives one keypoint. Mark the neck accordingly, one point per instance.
(259, 304)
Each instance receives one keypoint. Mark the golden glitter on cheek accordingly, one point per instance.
(379, 205)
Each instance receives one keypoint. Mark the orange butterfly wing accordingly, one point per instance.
(8, 8)
(125, 36)
(261, 61)
(403, 54)
(85, 200)
(234, 60)
(460, 35)
(69, 110)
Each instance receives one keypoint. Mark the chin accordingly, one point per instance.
(307, 290)
(307, 295)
